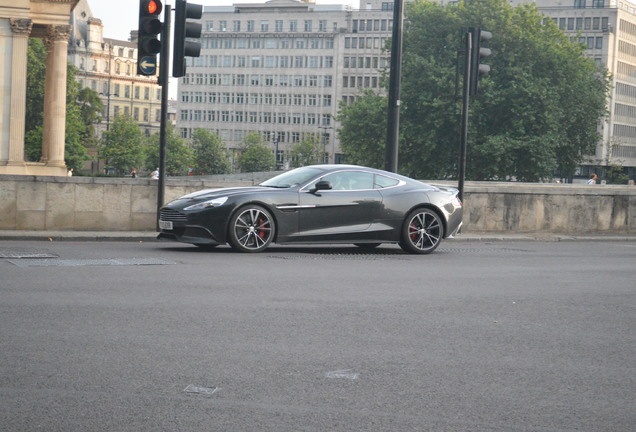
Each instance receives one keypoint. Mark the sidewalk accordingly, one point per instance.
(148, 236)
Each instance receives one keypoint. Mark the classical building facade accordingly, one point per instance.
(608, 30)
(281, 68)
(19, 20)
(109, 67)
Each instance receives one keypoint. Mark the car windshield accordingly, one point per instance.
(293, 177)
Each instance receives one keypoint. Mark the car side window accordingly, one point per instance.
(349, 180)
(382, 182)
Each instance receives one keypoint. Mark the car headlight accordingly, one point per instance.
(205, 204)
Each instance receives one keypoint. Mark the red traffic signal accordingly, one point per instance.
(151, 7)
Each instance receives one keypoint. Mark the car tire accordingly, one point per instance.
(252, 229)
(422, 231)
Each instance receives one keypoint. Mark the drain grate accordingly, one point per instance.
(90, 262)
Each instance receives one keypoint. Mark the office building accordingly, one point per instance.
(280, 69)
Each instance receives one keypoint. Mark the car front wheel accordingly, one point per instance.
(422, 232)
(252, 229)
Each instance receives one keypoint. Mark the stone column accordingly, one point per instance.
(55, 95)
(21, 29)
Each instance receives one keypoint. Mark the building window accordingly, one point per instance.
(279, 26)
(322, 25)
(264, 26)
(293, 25)
(236, 26)
(308, 25)
(250, 26)
(222, 26)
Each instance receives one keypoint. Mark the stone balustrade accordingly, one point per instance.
(124, 204)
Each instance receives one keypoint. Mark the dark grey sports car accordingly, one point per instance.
(317, 204)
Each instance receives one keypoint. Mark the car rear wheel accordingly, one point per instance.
(422, 232)
(252, 229)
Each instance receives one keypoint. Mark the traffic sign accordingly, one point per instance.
(148, 65)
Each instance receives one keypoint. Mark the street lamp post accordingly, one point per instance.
(108, 95)
(325, 134)
(275, 138)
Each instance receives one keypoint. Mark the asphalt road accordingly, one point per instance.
(503, 336)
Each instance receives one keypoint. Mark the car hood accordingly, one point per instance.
(206, 194)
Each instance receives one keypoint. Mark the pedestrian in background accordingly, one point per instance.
(133, 173)
(592, 179)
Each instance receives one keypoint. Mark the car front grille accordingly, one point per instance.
(172, 215)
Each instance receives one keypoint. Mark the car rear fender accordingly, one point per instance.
(437, 211)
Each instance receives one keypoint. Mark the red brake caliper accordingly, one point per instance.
(261, 233)
(413, 231)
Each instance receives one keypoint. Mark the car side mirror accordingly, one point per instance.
(321, 185)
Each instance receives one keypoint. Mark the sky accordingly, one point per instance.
(119, 17)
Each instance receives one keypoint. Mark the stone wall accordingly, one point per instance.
(118, 204)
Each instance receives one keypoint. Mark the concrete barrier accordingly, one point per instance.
(126, 204)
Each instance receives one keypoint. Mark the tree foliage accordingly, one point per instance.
(307, 152)
(536, 113)
(123, 145)
(179, 155)
(255, 155)
(210, 156)
(363, 131)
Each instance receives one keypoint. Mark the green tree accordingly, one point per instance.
(535, 115)
(309, 151)
(179, 155)
(363, 131)
(123, 145)
(210, 156)
(255, 155)
(36, 73)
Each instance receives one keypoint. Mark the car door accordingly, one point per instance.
(350, 206)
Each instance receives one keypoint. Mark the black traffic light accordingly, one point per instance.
(185, 29)
(477, 54)
(148, 45)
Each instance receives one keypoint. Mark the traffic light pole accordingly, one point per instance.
(468, 48)
(163, 82)
(393, 120)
